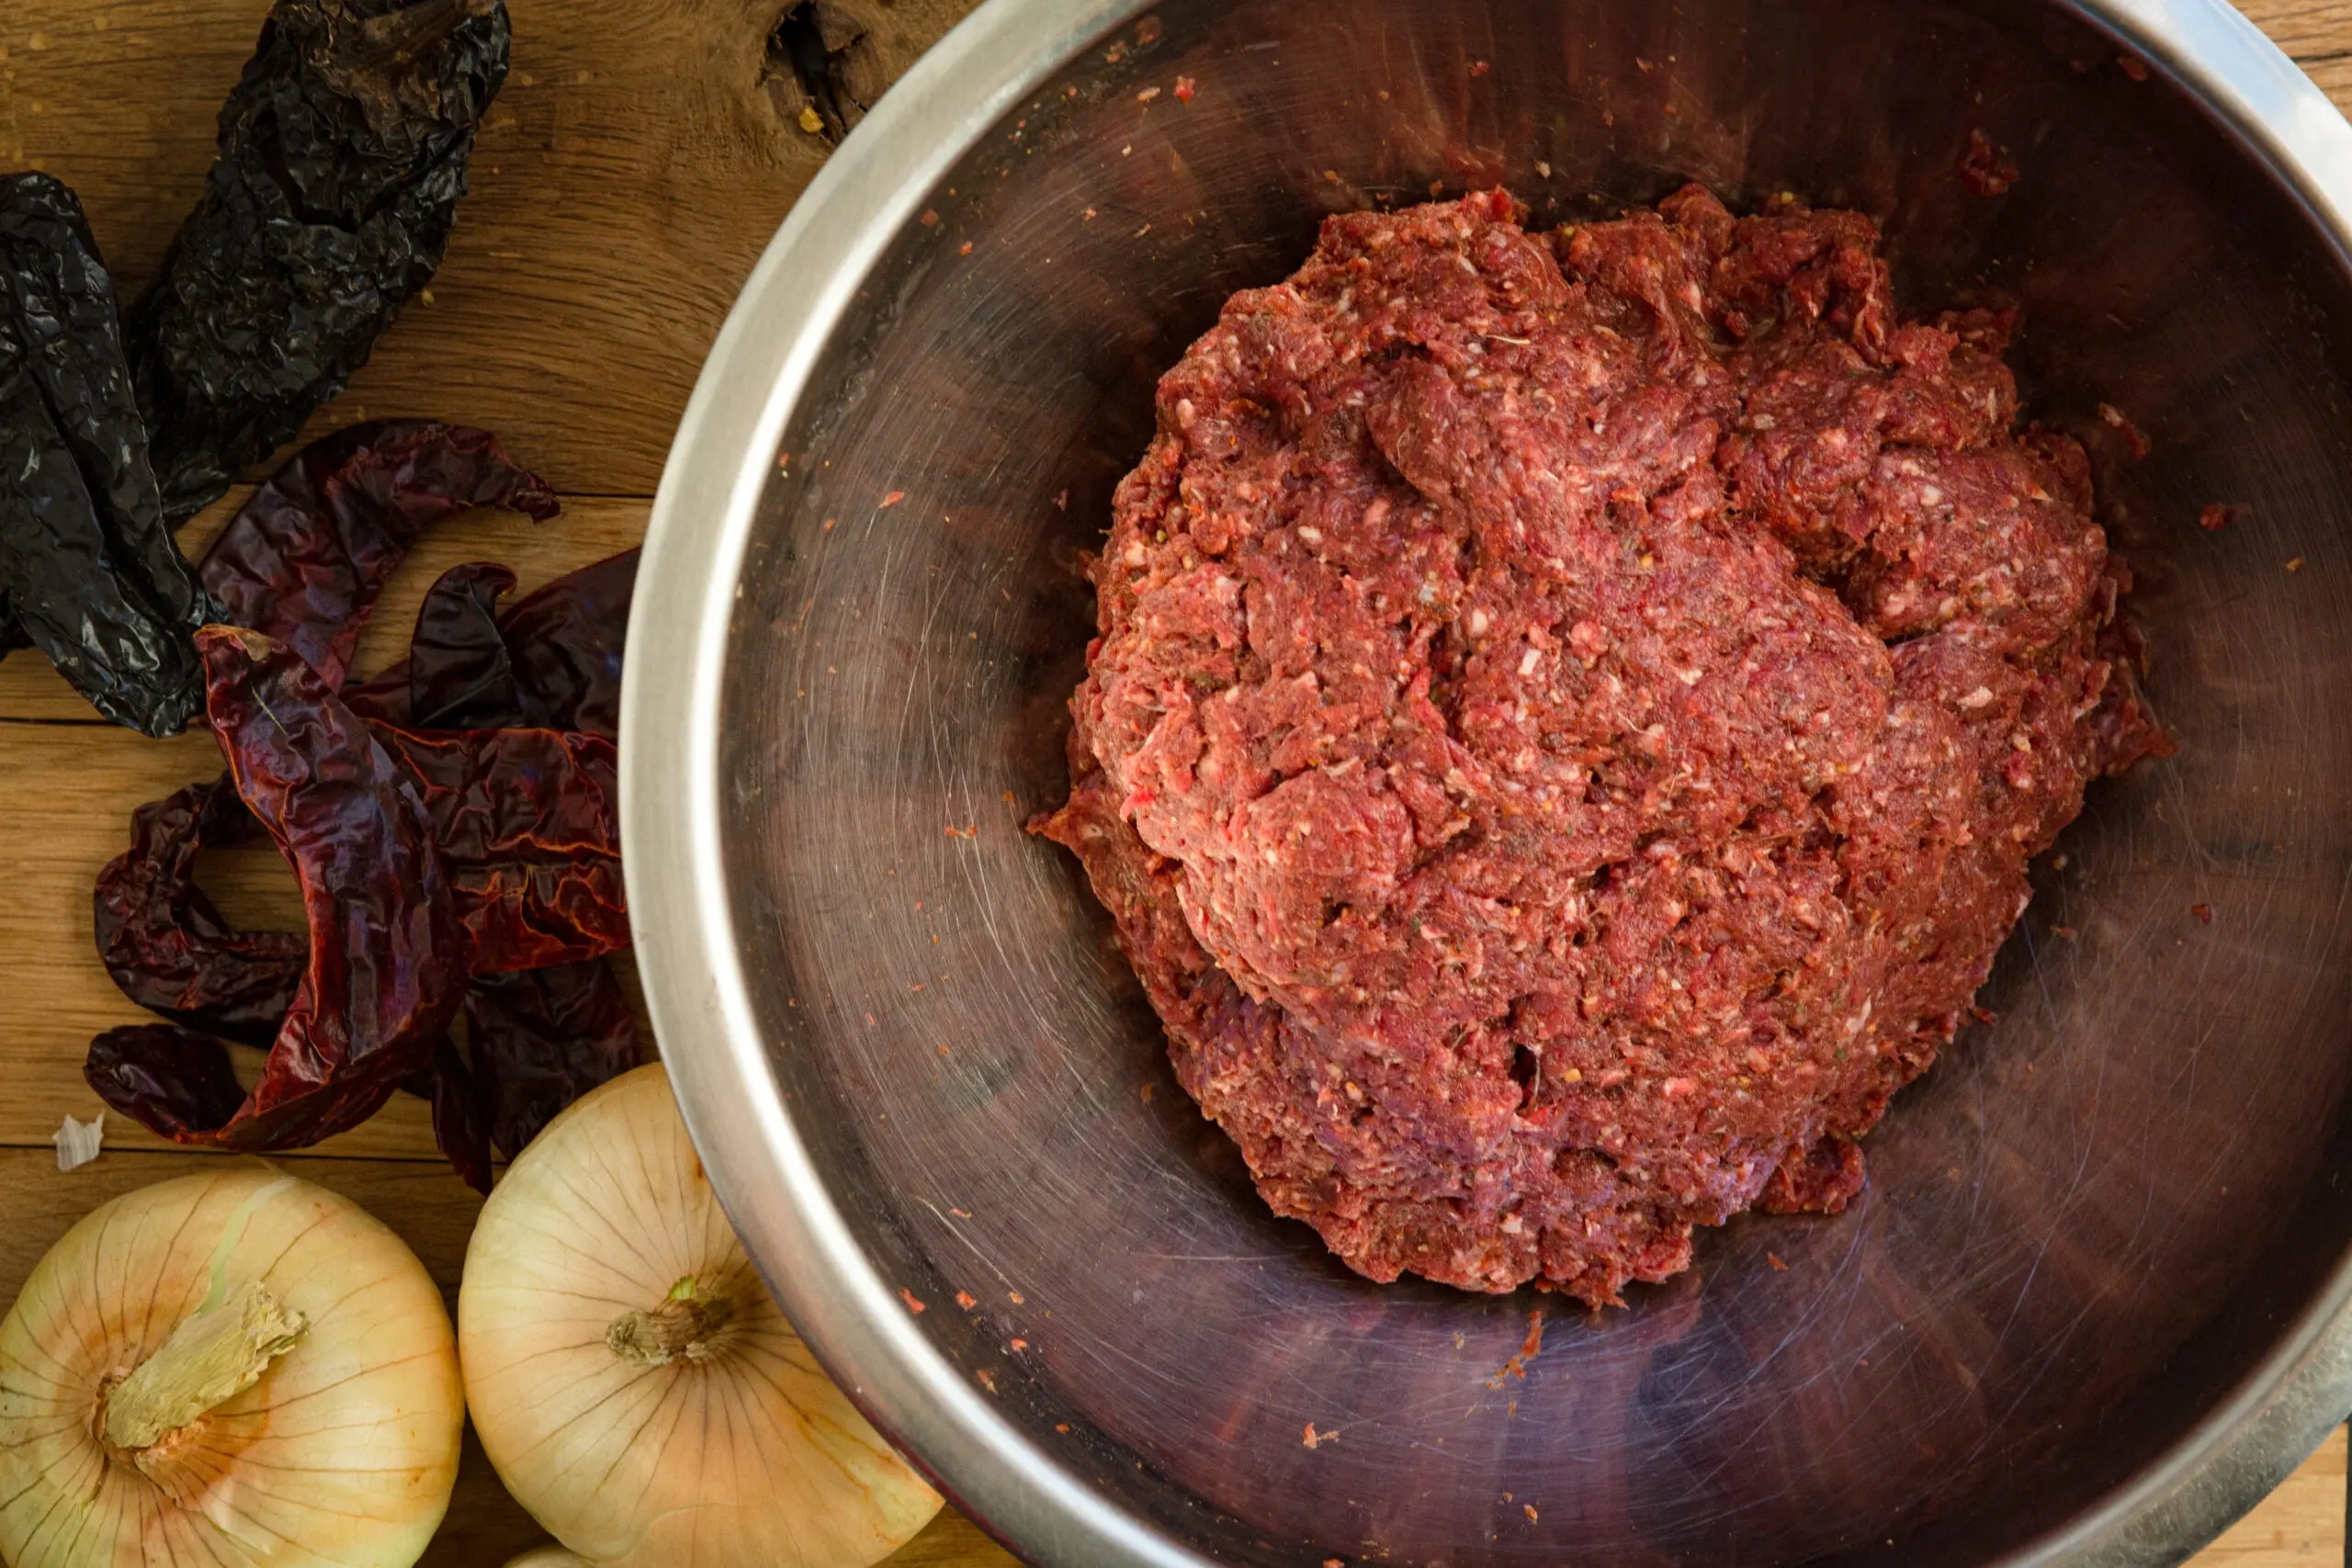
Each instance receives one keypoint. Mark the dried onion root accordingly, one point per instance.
(631, 1379)
(230, 1368)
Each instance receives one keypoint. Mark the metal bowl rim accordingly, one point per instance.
(672, 811)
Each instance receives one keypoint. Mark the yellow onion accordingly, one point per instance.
(633, 1381)
(230, 1368)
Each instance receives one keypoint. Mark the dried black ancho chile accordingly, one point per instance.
(88, 570)
(341, 156)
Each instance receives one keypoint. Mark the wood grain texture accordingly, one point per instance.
(640, 159)
(625, 181)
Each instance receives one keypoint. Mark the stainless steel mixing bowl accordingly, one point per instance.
(2094, 1300)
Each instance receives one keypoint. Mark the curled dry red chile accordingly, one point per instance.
(165, 944)
(304, 559)
(387, 956)
(552, 660)
(499, 724)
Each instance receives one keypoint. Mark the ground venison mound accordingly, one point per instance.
(1571, 717)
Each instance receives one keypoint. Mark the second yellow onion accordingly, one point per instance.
(631, 1379)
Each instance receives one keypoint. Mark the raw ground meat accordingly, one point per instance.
(1571, 717)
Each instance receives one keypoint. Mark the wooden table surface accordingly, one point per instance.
(641, 156)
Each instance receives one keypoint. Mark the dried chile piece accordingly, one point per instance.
(387, 960)
(540, 1039)
(566, 641)
(556, 652)
(526, 821)
(341, 158)
(304, 559)
(460, 1114)
(161, 939)
(170, 1079)
(164, 944)
(94, 577)
(460, 674)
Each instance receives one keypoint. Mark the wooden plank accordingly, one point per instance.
(2306, 29)
(951, 1541)
(626, 180)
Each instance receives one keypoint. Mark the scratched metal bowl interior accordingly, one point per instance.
(2084, 1229)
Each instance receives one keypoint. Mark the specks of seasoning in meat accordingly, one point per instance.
(2295, 564)
(2204, 913)
(913, 1304)
(1570, 717)
(2216, 516)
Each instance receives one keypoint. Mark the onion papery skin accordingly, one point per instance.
(341, 1455)
(738, 1452)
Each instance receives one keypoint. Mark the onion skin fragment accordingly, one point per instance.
(339, 1451)
(633, 1381)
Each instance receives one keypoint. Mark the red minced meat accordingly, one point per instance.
(1571, 716)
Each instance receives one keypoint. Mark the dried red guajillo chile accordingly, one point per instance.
(538, 1038)
(528, 822)
(164, 944)
(550, 660)
(304, 560)
(387, 954)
